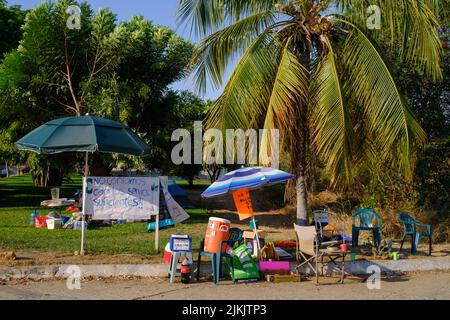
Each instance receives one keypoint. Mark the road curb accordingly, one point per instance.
(161, 270)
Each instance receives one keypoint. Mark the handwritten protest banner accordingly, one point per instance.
(111, 198)
(243, 203)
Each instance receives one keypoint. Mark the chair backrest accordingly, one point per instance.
(321, 217)
(306, 237)
(408, 222)
(366, 217)
(235, 234)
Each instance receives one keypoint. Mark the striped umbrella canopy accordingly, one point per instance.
(246, 178)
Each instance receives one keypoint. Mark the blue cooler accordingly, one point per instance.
(180, 243)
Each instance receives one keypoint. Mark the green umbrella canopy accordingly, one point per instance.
(83, 134)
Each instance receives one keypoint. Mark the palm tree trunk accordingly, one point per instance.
(302, 200)
(301, 151)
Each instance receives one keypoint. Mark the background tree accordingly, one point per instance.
(313, 69)
(116, 70)
(11, 19)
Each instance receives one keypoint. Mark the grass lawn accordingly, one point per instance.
(19, 197)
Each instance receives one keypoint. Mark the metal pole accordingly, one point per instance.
(256, 234)
(83, 235)
(157, 233)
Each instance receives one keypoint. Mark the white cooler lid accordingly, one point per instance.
(219, 220)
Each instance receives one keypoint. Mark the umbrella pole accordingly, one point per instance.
(256, 234)
(83, 219)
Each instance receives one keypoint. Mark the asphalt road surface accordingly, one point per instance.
(434, 285)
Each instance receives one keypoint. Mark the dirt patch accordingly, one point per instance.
(34, 258)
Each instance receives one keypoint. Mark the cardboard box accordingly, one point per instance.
(276, 278)
(252, 235)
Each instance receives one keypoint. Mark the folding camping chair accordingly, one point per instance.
(322, 221)
(309, 251)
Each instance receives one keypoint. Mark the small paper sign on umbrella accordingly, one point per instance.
(243, 203)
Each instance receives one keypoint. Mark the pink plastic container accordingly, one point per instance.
(274, 266)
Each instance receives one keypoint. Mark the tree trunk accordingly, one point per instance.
(302, 200)
(300, 145)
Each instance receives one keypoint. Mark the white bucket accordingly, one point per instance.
(55, 193)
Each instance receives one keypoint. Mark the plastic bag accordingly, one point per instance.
(243, 264)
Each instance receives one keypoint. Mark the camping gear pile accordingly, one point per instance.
(54, 220)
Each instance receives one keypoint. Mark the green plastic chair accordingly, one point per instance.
(416, 231)
(235, 236)
(366, 217)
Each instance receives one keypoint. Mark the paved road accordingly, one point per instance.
(414, 286)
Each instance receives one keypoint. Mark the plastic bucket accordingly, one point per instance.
(55, 193)
(218, 230)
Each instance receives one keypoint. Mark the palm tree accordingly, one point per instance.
(315, 70)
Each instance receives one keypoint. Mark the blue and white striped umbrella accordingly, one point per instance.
(246, 178)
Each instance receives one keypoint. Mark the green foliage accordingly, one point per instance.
(11, 19)
(314, 70)
(115, 70)
(175, 111)
(433, 177)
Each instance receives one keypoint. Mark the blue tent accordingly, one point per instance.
(176, 191)
(180, 196)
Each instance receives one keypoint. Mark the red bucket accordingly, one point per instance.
(41, 222)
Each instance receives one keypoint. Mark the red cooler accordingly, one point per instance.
(218, 230)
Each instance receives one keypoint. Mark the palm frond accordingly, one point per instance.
(247, 92)
(389, 122)
(409, 27)
(289, 91)
(331, 126)
(213, 54)
(208, 16)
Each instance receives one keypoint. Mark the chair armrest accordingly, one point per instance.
(424, 225)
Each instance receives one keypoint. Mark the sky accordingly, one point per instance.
(162, 12)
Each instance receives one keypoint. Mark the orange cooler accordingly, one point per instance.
(218, 230)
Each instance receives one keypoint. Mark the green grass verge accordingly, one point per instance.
(19, 197)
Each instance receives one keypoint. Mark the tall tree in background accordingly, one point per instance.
(11, 19)
(313, 69)
(116, 70)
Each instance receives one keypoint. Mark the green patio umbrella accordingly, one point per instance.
(83, 134)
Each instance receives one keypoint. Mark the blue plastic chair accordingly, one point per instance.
(366, 223)
(235, 236)
(411, 229)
